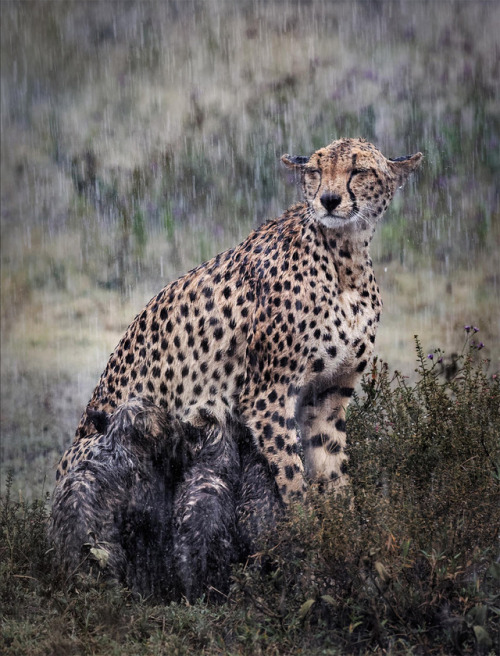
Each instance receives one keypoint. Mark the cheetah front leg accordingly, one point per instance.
(270, 416)
(323, 432)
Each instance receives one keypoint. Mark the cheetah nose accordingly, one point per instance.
(330, 201)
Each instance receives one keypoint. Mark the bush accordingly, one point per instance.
(409, 560)
(403, 563)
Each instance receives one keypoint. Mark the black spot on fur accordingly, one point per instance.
(340, 425)
(318, 365)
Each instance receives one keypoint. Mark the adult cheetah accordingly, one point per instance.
(273, 334)
(188, 447)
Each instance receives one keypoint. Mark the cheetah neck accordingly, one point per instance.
(349, 253)
(357, 246)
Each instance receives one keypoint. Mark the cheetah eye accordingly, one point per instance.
(356, 171)
(313, 171)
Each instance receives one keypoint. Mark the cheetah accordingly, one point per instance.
(273, 334)
(162, 507)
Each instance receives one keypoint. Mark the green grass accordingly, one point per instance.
(405, 562)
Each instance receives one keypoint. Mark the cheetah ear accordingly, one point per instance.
(403, 166)
(294, 162)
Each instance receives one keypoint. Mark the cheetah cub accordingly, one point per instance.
(273, 334)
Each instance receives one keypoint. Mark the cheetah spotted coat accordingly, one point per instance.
(272, 334)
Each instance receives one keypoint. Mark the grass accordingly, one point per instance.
(406, 562)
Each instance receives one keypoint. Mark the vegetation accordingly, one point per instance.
(406, 562)
(137, 143)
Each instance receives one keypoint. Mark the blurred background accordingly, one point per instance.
(141, 138)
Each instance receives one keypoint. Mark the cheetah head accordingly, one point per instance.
(349, 184)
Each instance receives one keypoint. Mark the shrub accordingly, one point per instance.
(403, 563)
(409, 560)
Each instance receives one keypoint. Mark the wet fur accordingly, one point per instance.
(168, 517)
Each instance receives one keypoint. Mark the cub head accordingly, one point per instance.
(350, 183)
